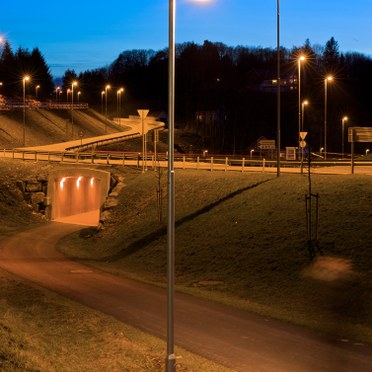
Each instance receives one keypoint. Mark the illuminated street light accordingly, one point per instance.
(304, 103)
(367, 151)
(102, 95)
(36, 91)
(118, 103)
(73, 84)
(345, 118)
(327, 79)
(57, 93)
(68, 91)
(107, 87)
(78, 96)
(25, 78)
(300, 59)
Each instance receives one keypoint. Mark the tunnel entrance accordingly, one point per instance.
(76, 196)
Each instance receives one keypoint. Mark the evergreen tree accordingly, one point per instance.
(331, 56)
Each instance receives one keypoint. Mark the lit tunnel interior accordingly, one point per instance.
(77, 197)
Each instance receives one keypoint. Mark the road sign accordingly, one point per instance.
(303, 136)
(143, 113)
(266, 144)
(303, 144)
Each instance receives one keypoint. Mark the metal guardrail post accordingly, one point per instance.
(108, 159)
(35, 155)
(123, 160)
(243, 164)
(263, 164)
(212, 163)
(197, 163)
(183, 161)
(226, 162)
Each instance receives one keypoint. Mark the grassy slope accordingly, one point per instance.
(41, 331)
(50, 126)
(242, 241)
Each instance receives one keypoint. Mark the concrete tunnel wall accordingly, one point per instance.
(74, 191)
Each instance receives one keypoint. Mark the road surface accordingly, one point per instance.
(242, 341)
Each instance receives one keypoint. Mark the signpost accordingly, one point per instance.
(142, 114)
(358, 134)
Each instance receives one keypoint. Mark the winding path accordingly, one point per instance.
(242, 341)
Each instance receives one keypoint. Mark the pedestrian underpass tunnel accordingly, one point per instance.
(76, 195)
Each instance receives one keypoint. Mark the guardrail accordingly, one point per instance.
(211, 163)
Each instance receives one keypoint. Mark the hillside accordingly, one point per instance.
(241, 239)
(44, 126)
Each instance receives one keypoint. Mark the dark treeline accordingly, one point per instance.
(227, 94)
(14, 66)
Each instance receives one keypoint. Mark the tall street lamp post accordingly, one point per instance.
(25, 79)
(118, 103)
(37, 91)
(300, 59)
(278, 88)
(345, 118)
(102, 95)
(107, 87)
(57, 93)
(73, 84)
(171, 358)
(304, 103)
(326, 80)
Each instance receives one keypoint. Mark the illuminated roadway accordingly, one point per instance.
(242, 341)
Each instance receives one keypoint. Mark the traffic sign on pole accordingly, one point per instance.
(303, 135)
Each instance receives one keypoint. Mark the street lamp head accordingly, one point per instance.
(108, 86)
(345, 118)
(329, 78)
(306, 102)
(26, 78)
(302, 58)
(74, 83)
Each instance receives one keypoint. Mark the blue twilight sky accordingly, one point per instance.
(86, 34)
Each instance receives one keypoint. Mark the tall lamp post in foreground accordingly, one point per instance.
(326, 80)
(171, 358)
(278, 88)
(345, 118)
(25, 78)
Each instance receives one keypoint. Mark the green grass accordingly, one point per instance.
(41, 331)
(241, 239)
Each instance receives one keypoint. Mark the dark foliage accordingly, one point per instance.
(224, 94)
(14, 66)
